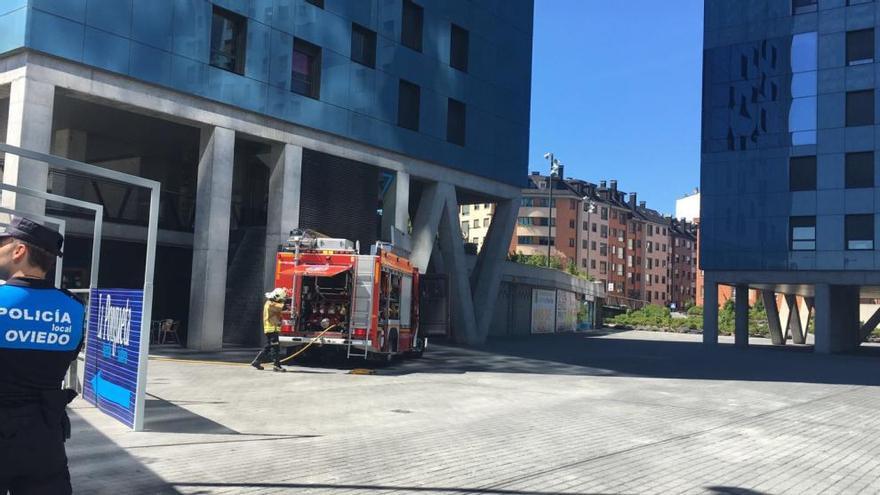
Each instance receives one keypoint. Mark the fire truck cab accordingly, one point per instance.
(365, 305)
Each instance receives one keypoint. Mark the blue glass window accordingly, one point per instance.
(860, 47)
(412, 20)
(455, 122)
(860, 169)
(363, 45)
(228, 35)
(859, 232)
(458, 48)
(409, 96)
(802, 233)
(306, 75)
(802, 116)
(804, 52)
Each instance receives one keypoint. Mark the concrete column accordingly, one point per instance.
(29, 126)
(486, 277)
(823, 319)
(777, 337)
(837, 318)
(741, 328)
(452, 249)
(710, 310)
(284, 196)
(211, 239)
(395, 208)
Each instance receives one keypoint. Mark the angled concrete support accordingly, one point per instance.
(710, 310)
(773, 321)
(437, 238)
(29, 126)
(437, 259)
(486, 278)
(741, 321)
(870, 325)
(452, 249)
(284, 194)
(211, 239)
(796, 327)
(427, 220)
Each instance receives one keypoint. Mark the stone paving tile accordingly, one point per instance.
(532, 417)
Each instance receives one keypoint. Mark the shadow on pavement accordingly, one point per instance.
(97, 462)
(580, 354)
(369, 488)
(602, 353)
(732, 490)
(166, 417)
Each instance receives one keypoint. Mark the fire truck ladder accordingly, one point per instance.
(362, 303)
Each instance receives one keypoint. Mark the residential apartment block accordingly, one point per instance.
(640, 255)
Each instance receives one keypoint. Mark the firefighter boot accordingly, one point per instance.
(257, 360)
(275, 354)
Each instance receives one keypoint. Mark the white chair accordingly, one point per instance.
(168, 328)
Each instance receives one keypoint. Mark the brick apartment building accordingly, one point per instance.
(640, 255)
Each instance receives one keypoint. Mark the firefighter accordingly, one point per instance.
(271, 326)
(41, 332)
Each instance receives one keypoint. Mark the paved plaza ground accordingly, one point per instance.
(623, 412)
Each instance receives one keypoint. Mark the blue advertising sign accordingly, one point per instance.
(113, 358)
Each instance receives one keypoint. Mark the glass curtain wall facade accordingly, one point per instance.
(335, 66)
(788, 149)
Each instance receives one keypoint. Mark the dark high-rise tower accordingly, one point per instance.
(789, 161)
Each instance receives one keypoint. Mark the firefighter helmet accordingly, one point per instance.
(279, 294)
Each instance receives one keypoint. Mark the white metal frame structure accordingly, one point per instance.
(152, 236)
(99, 221)
(98, 210)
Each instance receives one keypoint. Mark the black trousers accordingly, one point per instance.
(32, 456)
(272, 350)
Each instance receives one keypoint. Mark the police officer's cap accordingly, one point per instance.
(35, 234)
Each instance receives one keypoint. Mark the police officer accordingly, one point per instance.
(41, 332)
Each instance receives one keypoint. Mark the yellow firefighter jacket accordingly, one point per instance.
(272, 316)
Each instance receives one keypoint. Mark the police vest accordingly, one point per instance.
(39, 319)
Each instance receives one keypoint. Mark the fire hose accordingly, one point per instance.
(314, 339)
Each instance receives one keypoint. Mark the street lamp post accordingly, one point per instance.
(554, 171)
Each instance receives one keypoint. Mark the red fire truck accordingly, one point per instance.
(364, 305)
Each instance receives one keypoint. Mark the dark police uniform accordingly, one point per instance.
(41, 332)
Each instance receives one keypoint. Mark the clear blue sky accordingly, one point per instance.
(616, 93)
